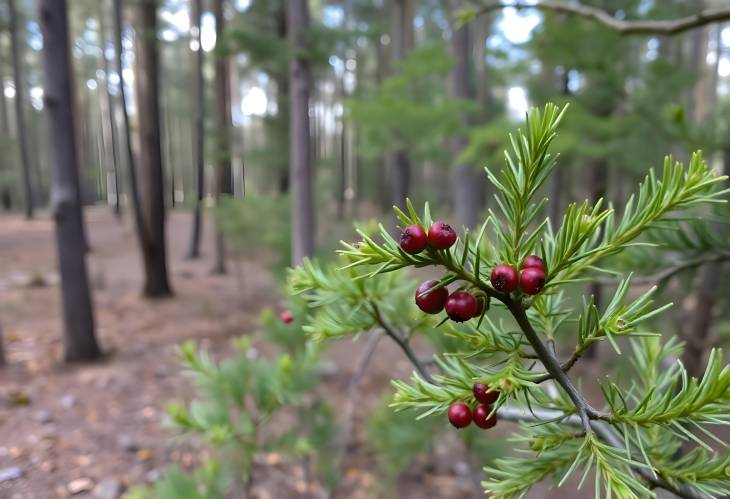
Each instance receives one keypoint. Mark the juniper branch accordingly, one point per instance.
(398, 338)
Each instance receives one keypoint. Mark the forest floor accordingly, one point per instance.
(87, 431)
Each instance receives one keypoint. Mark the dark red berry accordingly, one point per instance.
(481, 304)
(286, 316)
(482, 418)
(461, 306)
(413, 239)
(441, 235)
(459, 415)
(504, 278)
(532, 280)
(483, 395)
(431, 302)
(534, 262)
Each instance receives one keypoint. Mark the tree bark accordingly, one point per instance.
(464, 181)
(400, 162)
(79, 341)
(132, 166)
(299, 153)
(199, 139)
(154, 250)
(224, 182)
(19, 81)
(109, 110)
(3, 360)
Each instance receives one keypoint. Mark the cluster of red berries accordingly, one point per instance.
(440, 236)
(461, 305)
(461, 415)
(531, 278)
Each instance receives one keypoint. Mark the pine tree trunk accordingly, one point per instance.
(342, 172)
(152, 177)
(131, 162)
(400, 162)
(79, 341)
(199, 139)
(300, 156)
(465, 183)
(483, 92)
(3, 360)
(109, 109)
(224, 182)
(19, 82)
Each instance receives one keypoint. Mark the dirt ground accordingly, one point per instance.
(92, 430)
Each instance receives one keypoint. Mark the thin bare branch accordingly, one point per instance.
(626, 27)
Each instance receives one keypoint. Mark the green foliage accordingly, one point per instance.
(244, 409)
(626, 447)
(248, 234)
(409, 109)
(397, 442)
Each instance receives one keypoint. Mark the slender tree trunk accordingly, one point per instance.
(4, 118)
(132, 166)
(282, 94)
(224, 183)
(109, 110)
(483, 92)
(19, 81)
(199, 139)
(381, 183)
(300, 156)
(342, 172)
(400, 162)
(153, 200)
(79, 341)
(3, 360)
(465, 183)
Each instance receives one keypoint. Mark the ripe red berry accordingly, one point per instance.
(459, 415)
(413, 239)
(482, 418)
(504, 278)
(483, 395)
(533, 261)
(441, 235)
(286, 316)
(461, 306)
(481, 304)
(431, 302)
(532, 280)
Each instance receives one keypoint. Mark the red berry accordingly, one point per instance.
(441, 235)
(483, 395)
(459, 415)
(482, 418)
(431, 302)
(504, 278)
(481, 303)
(533, 261)
(532, 280)
(286, 316)
(461, 306)
(414, 239)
